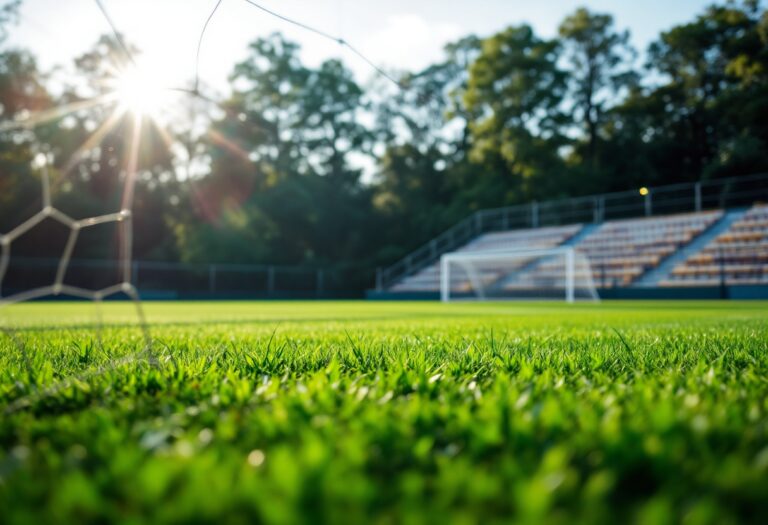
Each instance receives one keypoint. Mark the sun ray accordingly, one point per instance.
(50, 115)
(92, 141)
(125, 228)
(137, 89)
(131, 169)
(164, 135)
(222, 140)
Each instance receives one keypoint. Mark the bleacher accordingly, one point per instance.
(428, 279)
(619, 252)
(622, 251)
(683, 241)
(739, 256)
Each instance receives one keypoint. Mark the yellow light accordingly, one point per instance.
(644, 191)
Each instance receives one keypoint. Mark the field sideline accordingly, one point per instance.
(390, 412)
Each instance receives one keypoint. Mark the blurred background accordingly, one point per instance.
(301, 171)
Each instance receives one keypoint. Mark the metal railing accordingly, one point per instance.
(661, 200)
(174, 280)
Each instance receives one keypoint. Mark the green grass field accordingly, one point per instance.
(355, 412)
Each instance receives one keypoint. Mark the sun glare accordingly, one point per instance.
(138, 92)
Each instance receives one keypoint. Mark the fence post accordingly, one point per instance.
(595, 210)
(408, 265)
(212, 279)
(697, 196)
(135, 274)
(601, 208)
(271, 280)
(534, 214)
(648, 204)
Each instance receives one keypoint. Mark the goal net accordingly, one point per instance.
(546, 274)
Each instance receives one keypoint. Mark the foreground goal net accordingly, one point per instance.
(545, 274)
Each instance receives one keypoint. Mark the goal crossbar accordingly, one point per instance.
(467, 261)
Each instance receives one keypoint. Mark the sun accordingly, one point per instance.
(137, 91)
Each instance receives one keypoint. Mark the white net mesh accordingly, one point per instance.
(553, 274)
(62, 284)
(59, 285)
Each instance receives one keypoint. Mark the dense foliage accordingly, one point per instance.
(386, 413)
(276, 174)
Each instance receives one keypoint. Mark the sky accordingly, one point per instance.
(395, 34)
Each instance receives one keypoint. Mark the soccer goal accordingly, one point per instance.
(541, 274)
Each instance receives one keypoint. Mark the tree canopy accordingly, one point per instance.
(305, 165)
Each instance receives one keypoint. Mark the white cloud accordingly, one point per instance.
(409, 42)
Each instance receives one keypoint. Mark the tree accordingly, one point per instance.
(281, 178)
(419, 182)
(600, 60)
(708, 109)
(250, 151)
(328, 126)
(515, 93)
(9, 14)
(96, 145)
(22, 94)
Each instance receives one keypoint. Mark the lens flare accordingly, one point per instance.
(137, 91)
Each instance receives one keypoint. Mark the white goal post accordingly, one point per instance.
(537, 274)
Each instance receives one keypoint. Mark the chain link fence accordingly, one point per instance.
(179, 280)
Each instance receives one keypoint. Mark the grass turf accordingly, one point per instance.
(355, 412)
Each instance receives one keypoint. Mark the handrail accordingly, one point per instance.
(601, 207)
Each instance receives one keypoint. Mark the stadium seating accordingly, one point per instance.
(428, 279)
(621, 251)
(739, 256)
